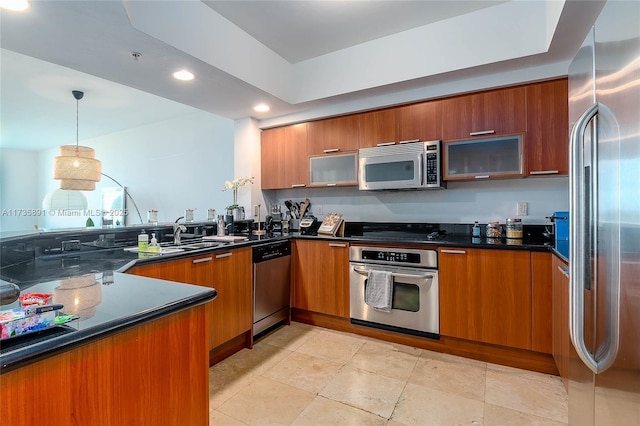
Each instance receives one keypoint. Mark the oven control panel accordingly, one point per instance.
(394, 256)
(391, 256)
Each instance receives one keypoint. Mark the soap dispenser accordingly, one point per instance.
(153, 245)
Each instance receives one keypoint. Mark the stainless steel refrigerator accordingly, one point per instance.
(604, 214)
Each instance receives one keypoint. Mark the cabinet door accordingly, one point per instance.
(541, 301)
(485, 296)
(561, 341)
(456, 117)
(333, 170)
(232, 310)
(421, 121)
(321, 277)
(378, 128)
(333, 135)
(548, 128)
(494, 112)
(499, 111)
(201, 273)
(173, 270)
(284, 158)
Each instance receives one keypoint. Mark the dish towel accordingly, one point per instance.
(379, 290)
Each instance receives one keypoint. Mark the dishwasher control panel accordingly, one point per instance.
(272, 250)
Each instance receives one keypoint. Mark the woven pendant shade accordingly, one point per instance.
(77, 168)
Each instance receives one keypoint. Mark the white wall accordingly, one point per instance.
(247, 163)
(461, 202)
(19, 176)
(167, 166)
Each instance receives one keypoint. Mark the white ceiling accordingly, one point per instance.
(300, 57)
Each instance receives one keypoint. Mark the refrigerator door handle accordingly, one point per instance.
(577, 238)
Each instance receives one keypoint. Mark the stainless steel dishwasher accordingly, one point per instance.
(271, 284)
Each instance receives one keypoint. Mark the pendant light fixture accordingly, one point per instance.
(76, 166)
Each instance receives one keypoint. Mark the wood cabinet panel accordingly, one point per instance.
(541, 302)
(485, 295)
(284, 157)
(378, 127)
(501, 111)
(230, 273)
(138, 376)
(321, 277)
(232, 309)
(548, 128)
(561, 341)
(333, 135)
(421, 121)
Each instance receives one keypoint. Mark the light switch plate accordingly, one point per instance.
(523, 208)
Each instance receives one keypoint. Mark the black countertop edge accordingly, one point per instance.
(50, 347)
(464, 242)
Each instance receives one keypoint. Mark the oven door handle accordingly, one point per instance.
(395, 274)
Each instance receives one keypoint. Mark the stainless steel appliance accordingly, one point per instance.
(415, 300)
(271, 284)
(604, 208)
(415, 165)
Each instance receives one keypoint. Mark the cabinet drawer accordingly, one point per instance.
(494, 157)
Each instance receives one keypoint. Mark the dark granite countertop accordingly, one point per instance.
(114, 301)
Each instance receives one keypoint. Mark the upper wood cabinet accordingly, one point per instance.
(284, 157)
(334, 135)
(421, 121)
(321, 277)
(493, 112)
(378, 128)
(485, 295)
(548, 128)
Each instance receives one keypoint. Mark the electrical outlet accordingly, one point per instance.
(319, 208)
(523, 208)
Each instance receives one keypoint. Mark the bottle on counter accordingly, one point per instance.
(143, 241)
(475, 231)
(221, 225)
(153, 244)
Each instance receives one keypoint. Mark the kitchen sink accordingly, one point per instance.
(201, 245)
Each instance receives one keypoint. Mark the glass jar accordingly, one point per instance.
(514, 228)
(152, 217)
(494, 230)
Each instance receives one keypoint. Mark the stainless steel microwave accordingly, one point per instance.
(415, 165)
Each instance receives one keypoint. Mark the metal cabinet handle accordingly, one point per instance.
(395, 274)
(564, 271)
(332, 184)
(337, 245)
(329, 151)
(581, 247)
(482, 177)
(298, 185)
(483, 132)
(453, 251)
(202, 260)
(386, 144)
(223, 255)
(544, 172)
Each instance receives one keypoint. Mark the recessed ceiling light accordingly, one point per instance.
(183, 75)
(261, 108)
(17, 5)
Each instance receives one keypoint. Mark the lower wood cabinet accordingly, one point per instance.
(541, 301)
(485, 295)
(561, 342)
(321, 277)
(229, 272)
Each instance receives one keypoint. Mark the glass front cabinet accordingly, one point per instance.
(333, 170)
(494, 157)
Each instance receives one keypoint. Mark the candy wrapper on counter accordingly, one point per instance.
(15, 322)
(40, 299)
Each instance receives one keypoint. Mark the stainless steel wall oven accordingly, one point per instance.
(414, 306)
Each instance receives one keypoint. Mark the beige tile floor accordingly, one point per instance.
(304, 375)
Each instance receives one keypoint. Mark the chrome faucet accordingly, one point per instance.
(177, 230)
